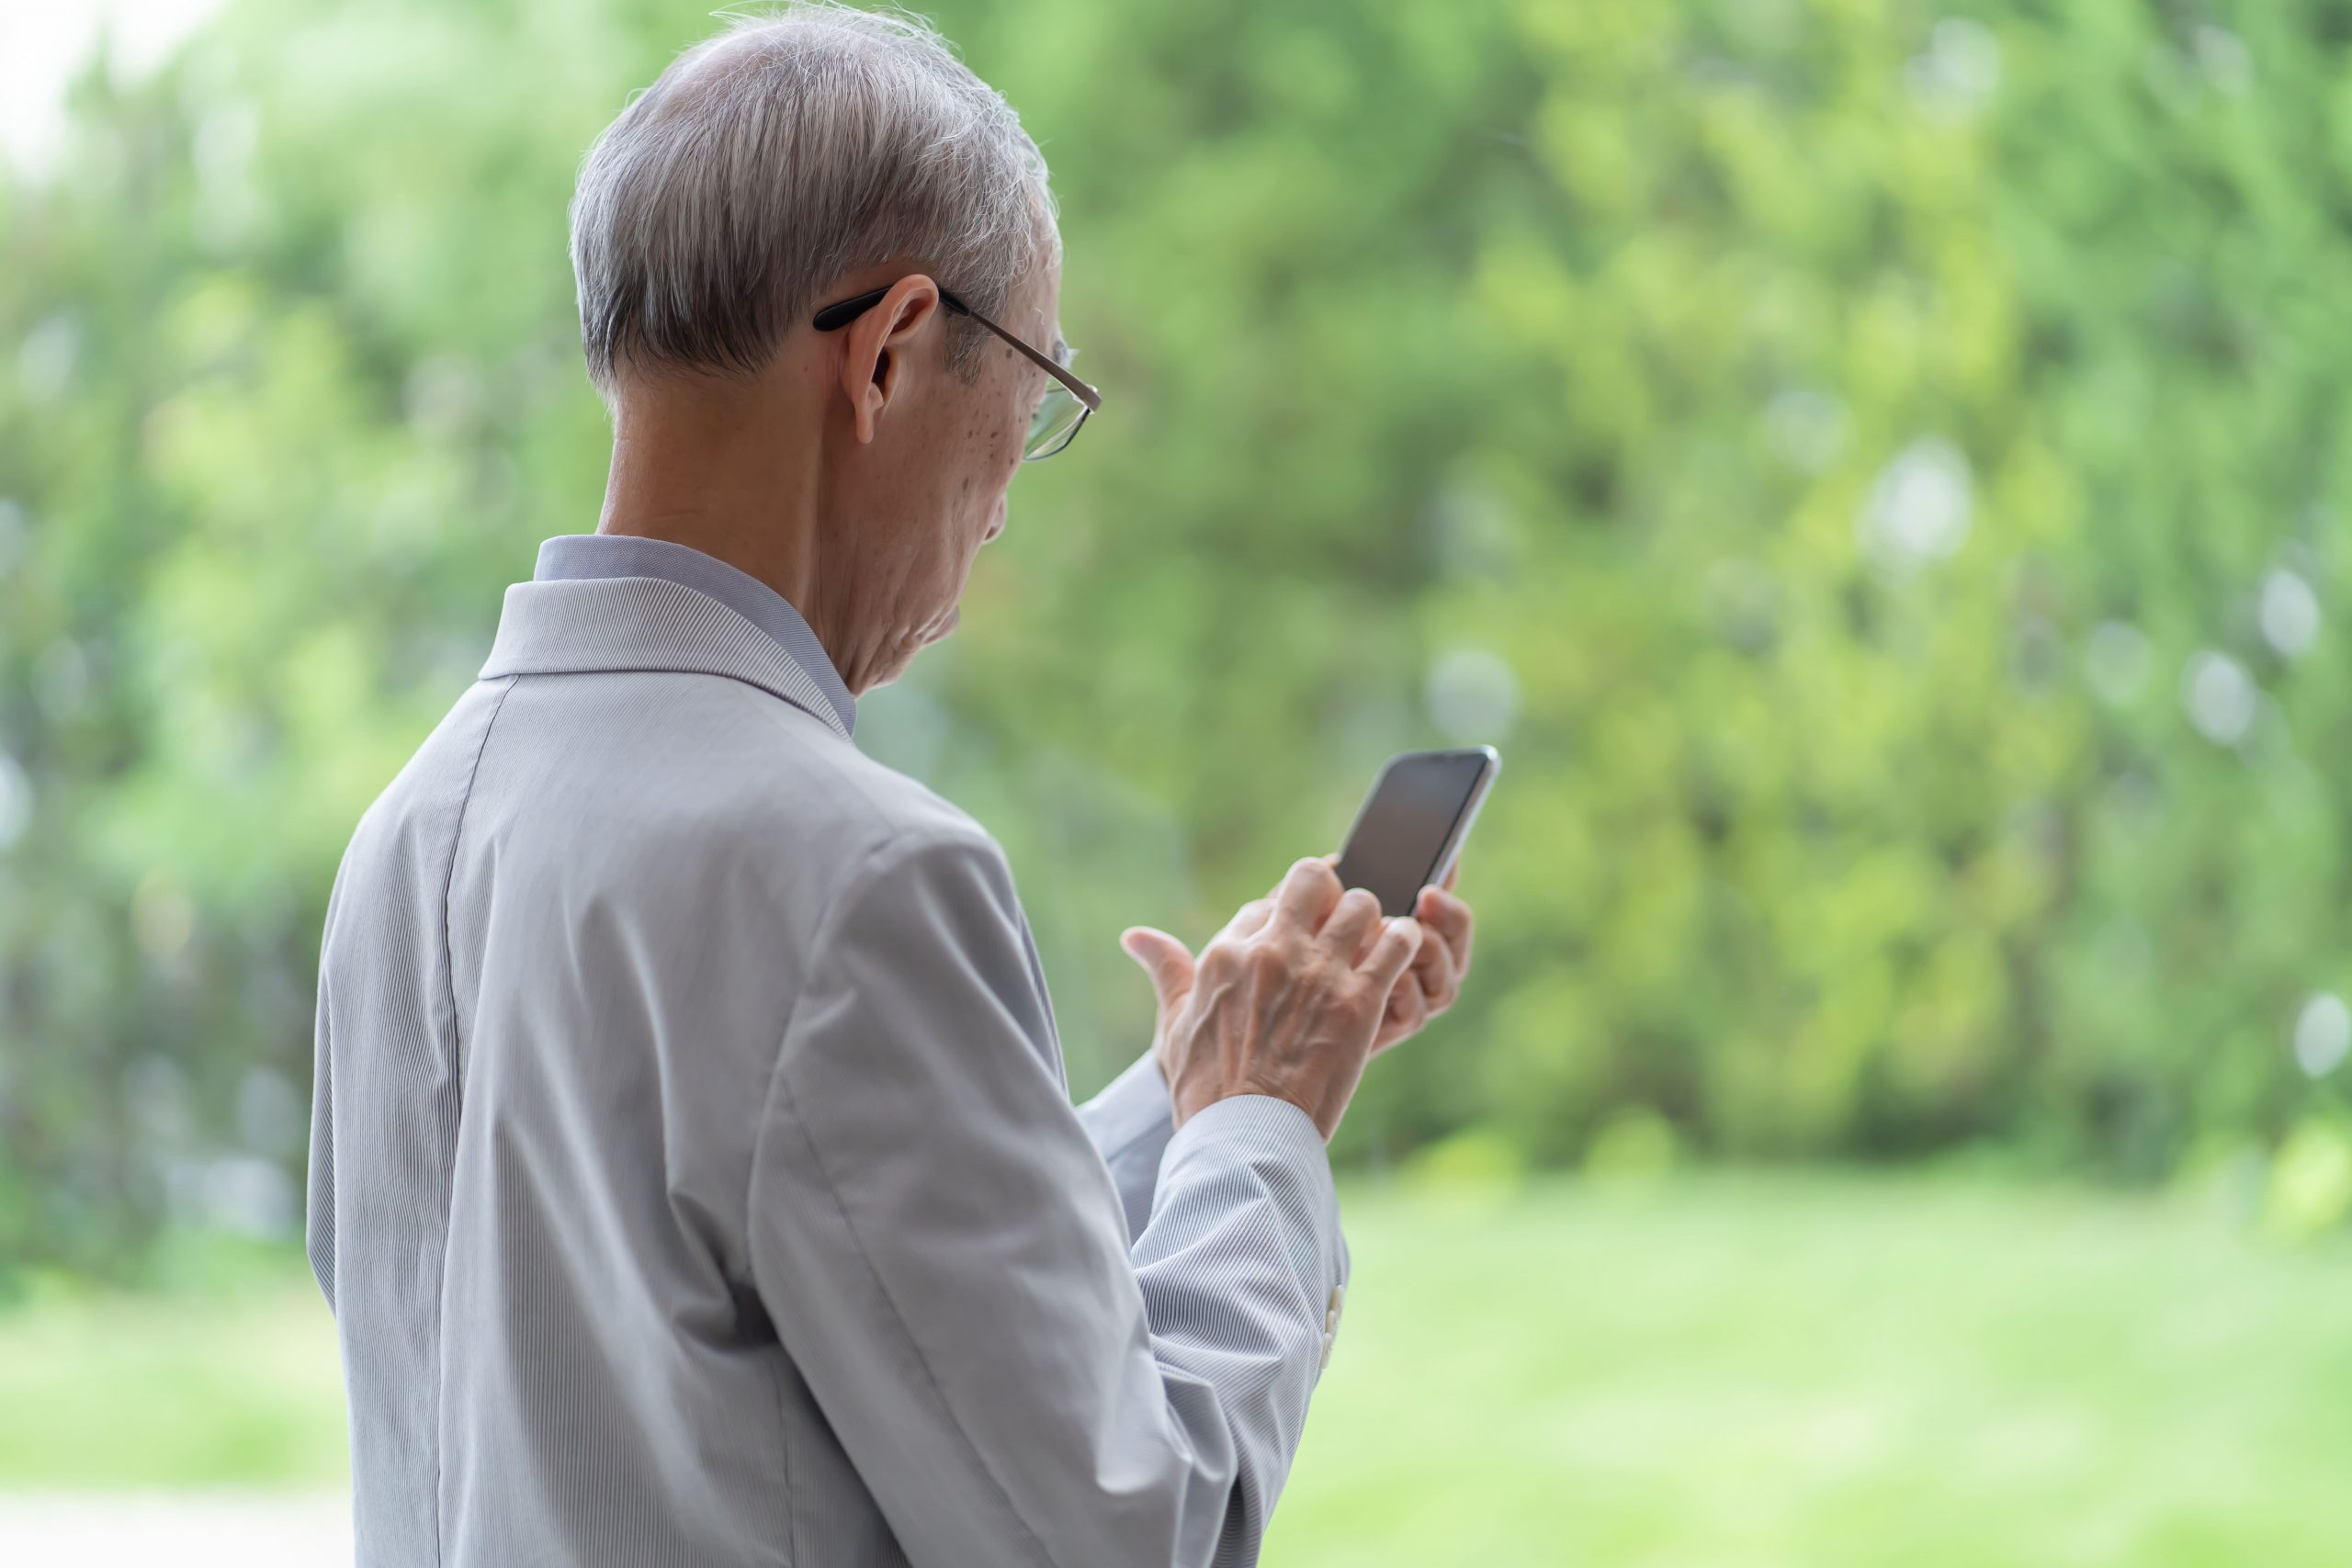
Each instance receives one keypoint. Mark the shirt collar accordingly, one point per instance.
(575, 556)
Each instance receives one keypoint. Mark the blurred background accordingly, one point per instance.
(1876, 467)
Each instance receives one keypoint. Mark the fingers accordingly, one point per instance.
(1307, 892)
(1447, 917)
(1168, 961)
(1400, 940)
(1248, 920)
(1433, 975)
(1409, 1004)
(1352, 920)
(1428, 987)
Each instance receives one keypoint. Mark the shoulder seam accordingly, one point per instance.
(449, 877)
(456, 1063)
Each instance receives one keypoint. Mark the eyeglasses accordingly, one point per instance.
(1064, 407)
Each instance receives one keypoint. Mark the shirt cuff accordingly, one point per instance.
(1267, 1131)
(1133, 1110)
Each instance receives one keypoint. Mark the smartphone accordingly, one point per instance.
(1410, 828)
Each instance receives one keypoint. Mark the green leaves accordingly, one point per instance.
(1878, 470)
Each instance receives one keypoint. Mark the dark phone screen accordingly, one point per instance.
(1404, 826)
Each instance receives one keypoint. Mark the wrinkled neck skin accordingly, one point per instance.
(743, 472)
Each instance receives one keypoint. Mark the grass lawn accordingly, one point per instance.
(232, 1385)
(1724, 1370)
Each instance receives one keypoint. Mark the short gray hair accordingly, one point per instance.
(773, 157)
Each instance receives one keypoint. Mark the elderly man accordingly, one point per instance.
(694, 1176)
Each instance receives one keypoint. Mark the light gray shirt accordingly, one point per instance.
(694, 1176)
(626, 555)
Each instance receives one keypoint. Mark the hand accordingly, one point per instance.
(1434, 981)
(1285, 1001)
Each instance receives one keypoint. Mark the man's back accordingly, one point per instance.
(541, 1147)
(693, 1173)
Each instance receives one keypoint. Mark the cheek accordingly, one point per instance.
(991, 457)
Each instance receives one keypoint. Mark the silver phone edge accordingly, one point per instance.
(1461, 834)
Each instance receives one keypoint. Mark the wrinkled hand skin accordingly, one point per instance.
(1299, 990)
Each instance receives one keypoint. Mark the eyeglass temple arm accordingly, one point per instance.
(848, 310)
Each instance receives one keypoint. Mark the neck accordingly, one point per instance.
(719, 475)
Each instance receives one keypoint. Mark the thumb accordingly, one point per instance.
(1168, 961)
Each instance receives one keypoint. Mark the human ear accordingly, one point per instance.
(875, 357)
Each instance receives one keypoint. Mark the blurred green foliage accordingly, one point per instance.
(1877, 470)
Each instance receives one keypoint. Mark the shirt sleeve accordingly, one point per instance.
(945, 1257)
(1130, 1124)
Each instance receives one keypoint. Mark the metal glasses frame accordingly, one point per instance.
(842, 313)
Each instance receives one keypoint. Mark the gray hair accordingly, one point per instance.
(772, 158)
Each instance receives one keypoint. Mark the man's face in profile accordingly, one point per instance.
(920, 500)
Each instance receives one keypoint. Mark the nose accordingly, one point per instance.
(995, 527)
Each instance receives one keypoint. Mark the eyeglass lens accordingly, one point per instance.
(1058, 415)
